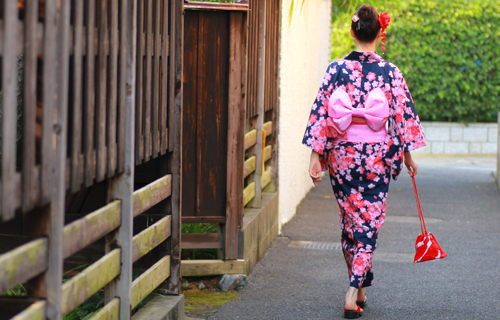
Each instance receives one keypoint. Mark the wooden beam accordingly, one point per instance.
(249, 166)
(34, 312)
(268, 126)
(266, 178)
(148, 239)
(22, 263)
(90, 280)
(109, 311)
(200, 268)
(216, 6)
(150, 195)
(90, 228)
(204, 219)
(201, 241)
(249, 193)
(268, 153)
(149, 280)
(250, 138)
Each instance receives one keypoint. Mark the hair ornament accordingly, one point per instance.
(384, 21)
(355, 18)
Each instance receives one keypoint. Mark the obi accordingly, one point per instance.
(367, 124)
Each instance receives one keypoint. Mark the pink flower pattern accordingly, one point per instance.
(360, 172)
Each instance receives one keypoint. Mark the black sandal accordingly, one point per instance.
(353, 314)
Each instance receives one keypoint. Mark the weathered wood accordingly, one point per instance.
(249, 166)
(149, 79)
(202, 241)
(266, 178)
(156, 79)
(152, 194)
(9, 116)
(90, 280)
(148, 239)
(80, 233)
(216, 6)
(102, 72)
(250, 138)
(235, 137)
(166, 90)
(149, 280)
(112, 88)
(267, 153)
(122, 86)
(139, 97)
(249, 193)
(109, 311)
(34, 312)
(89, 95)
(22, 263)
(204, 219)
(268, 126)
(201, 268)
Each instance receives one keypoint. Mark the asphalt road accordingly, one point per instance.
(462, 204)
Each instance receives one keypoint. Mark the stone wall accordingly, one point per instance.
(459, 138)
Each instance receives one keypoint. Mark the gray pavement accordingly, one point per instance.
(461, 197)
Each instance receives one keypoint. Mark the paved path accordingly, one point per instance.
(459, 193)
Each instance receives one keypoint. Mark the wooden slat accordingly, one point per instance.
(29, 111)
(268, 126)
(197, 268)
(112, 88)
(34, 312)
(148, 239)
(22, 263)
(90, 280)
(148, 80)
(166, 101)
(216, 6)
(249, 166)
(122, 89)
(152, 194)
(89, 95)
(204, 219)
(267, 153)
(248, 193)
(201, 241)
(156, 79)
(139, 98)
(9, 116)
(250, 138)
(76, 99)
(149, 280)
(102, 72)
(266, 178)
(83, 232)
(109, 311)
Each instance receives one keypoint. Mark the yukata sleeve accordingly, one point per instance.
(315, 135)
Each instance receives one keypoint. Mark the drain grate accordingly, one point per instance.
(315, 245)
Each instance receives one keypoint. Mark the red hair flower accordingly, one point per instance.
(384, 21)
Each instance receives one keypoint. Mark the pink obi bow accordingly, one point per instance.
(341, 112)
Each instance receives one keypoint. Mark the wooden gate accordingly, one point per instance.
(76, 78)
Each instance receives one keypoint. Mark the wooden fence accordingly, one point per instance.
(76, 78)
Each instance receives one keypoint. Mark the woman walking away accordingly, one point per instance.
(362, 128)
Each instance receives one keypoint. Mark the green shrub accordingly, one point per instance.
(448, 50)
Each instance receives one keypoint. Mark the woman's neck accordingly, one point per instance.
(366, 47)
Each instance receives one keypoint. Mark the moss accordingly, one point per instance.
(203, 304)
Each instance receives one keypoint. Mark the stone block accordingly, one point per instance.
(475, 147)
(457, 134)
(489, 147)
(492, 134)
(424, 150)
(437, 133)
(437, 147)
(456, 148)
(476, 134)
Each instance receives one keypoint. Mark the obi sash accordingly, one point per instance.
(367, 124)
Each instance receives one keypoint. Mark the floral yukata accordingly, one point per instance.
(360, 171)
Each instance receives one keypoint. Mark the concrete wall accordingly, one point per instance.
(304, 58)
(458, 138)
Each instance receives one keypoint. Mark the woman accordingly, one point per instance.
(362, 127)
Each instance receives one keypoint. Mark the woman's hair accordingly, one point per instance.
(367, 27)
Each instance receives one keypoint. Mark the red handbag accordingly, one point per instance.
(426, 245)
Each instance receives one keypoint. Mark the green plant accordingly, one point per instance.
(197, 254)
(448, 51)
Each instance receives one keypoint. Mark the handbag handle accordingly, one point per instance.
(420, 215)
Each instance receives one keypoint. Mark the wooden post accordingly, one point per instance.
(235, 137)
(122, 186)
(258, 121)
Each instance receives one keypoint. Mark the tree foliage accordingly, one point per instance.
(448, 50)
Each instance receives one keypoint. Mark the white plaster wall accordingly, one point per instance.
(305, 44)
